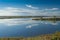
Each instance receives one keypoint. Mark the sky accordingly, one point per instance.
(29, 7)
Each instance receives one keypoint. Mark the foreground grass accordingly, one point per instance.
(54, 36)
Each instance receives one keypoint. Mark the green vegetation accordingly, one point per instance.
(54, 36)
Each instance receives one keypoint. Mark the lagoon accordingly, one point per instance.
(26, 27)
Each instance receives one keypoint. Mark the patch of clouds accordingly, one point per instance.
(53, 9)
(30, 6)
(12, 11)
(8, 11)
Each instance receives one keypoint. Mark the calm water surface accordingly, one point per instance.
(26, 27)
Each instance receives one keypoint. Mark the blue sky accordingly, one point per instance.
(30, 7)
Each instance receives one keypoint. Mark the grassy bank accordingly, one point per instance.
(54, 36)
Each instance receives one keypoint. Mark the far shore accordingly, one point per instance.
(36, 17)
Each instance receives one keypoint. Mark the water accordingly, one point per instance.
(26, 27)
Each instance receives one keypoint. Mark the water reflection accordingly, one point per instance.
(27, 27)
(12, 22)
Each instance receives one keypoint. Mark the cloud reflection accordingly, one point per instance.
(12, 22)
(29, 23)
(30, 26)
(51, 23)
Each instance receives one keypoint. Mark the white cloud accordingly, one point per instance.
(53, 9)
(8, 11)
(30, 6)
(11, 11)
